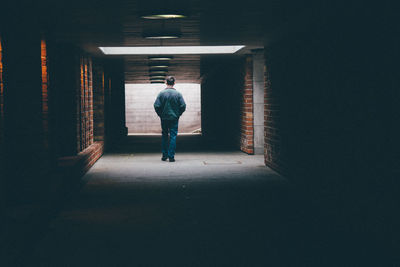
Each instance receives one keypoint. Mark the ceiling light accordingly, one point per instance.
(157, 77)
(161, 36)
(171, 50)
(158, 67)
(159, 64)
(164, 16)
(161, 58)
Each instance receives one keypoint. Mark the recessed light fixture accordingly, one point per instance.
(160, 58)
(171, 50)
(161, 36)
(158, 67)
(164, 16)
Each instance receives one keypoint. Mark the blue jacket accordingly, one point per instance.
(169, 104)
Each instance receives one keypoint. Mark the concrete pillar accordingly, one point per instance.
(258, 101)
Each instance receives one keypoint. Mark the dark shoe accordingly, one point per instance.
(171, 159)
(164, 158)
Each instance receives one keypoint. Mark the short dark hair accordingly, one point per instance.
(170, 80)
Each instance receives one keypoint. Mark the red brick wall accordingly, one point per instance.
(247, 131)
(45, 98)
(78, 71)
(85, 107)
(90, 155)
(98, 102)
(75, 95)
(81, 163)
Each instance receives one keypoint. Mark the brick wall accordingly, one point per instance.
(98, 102)
(247, 129)
(76, 166)
(45, 98)
(73, 97)
(85, 107)
(89, 150)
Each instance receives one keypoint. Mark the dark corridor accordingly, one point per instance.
(297, 163)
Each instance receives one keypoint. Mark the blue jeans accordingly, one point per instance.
(171, 127)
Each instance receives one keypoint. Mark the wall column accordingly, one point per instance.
(258, 101)
(25, 112)
(247, 130)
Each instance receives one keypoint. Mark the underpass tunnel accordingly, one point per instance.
(289, 147)
(225, 107)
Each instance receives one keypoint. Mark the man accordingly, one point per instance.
(169, 106)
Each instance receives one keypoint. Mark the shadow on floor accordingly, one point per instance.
(135, 210)
(184, 143)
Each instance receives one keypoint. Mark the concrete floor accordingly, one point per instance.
(206, 209)
(209, 208)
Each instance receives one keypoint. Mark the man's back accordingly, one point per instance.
(169, 104)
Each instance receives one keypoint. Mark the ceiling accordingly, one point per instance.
(93, 23)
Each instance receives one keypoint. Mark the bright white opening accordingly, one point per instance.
(171, 50)
(164, 16)
(141, 119)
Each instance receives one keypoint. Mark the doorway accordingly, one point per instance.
(141, 119)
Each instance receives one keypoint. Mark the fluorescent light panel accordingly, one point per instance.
(160, 58)
(162, 37)
(171, 50)
(164, 16)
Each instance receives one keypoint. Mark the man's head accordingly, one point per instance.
(170, 80)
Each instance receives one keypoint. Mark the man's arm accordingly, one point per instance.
(182, 105)
(157, 105)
